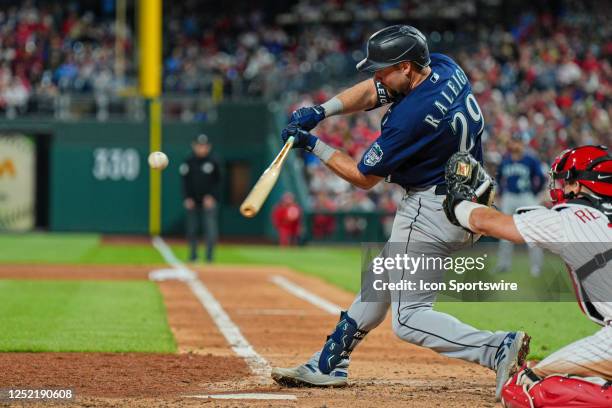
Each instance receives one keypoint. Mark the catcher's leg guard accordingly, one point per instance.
(340, 343)
(557, 391)
(515, 395)
(562, 391)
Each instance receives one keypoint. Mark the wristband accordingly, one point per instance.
(463, 211)
(323, 151)
(332, 107)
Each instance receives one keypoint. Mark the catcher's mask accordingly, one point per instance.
(590, 166)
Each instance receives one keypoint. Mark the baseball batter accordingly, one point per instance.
(432, 115)
(579, 229)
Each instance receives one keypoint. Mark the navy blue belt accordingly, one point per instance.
(440, 189)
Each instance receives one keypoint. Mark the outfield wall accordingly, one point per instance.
(93, 176)
(97, 176)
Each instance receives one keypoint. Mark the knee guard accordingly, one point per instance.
(557, 391)
(515, 393)
(340, 343)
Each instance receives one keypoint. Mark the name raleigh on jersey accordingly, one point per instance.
(459, 80)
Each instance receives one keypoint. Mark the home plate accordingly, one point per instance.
(248, 396)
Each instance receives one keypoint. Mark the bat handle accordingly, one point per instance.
(480, 191)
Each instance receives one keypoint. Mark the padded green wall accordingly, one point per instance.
(79, 201)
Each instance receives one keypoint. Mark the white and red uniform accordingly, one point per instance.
(579, 234)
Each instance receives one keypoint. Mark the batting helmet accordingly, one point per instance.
(591, 166)
(394, 44)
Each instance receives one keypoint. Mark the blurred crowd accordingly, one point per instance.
(546, 78)
(53, 47)
(541, 69)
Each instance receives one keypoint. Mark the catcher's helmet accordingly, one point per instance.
(591, 166)
(394, 44)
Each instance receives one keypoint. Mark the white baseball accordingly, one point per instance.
(158, 160)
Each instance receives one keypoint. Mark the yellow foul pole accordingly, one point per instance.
(150, 35)
(120, 34)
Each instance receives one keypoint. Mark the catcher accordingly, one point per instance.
(579, 229)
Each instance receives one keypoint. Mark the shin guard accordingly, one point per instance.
(340, 343)
(557, 391)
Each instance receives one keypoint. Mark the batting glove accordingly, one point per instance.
(301, 138)
(308, 117)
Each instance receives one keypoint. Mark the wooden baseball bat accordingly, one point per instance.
(260, 191)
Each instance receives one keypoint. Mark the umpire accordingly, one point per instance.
(201, 176)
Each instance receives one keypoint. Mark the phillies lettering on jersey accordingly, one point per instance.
(421, 130)
(586, 215)
(577, 233)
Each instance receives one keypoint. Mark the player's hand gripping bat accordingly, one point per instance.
(260, 191)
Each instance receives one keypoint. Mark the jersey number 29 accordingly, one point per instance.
(468, 131)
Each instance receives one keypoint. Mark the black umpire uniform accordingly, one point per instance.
(201, 179)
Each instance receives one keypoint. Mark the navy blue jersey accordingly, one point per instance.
(422, 130)
(520, 176)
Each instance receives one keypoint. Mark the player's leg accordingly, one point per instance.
(591, 356)
(506, 248)
(423, 229)
(414, 234)
(415, 321)
(536, 258)
(329, 366)
(536, 254)
(192, 233)
(283, 236)
(211, 231)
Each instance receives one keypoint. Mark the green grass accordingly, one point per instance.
(336, 265)
(60, 248)
(552, 325)
(126, 316)
(46, 248)
(124, 255)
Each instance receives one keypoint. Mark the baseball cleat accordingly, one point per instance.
(509, 358)
(309, 375)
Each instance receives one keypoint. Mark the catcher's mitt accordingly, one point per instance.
(466, 179)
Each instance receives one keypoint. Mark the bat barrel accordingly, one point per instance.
(248, 211)
(260, 191)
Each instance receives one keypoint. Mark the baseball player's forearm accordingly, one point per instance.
(344, 166)
(492, 223)
(362, 96)
(357, 98)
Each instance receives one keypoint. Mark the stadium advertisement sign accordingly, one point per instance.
(17, 182)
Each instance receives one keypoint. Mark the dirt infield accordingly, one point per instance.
(282, 328)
